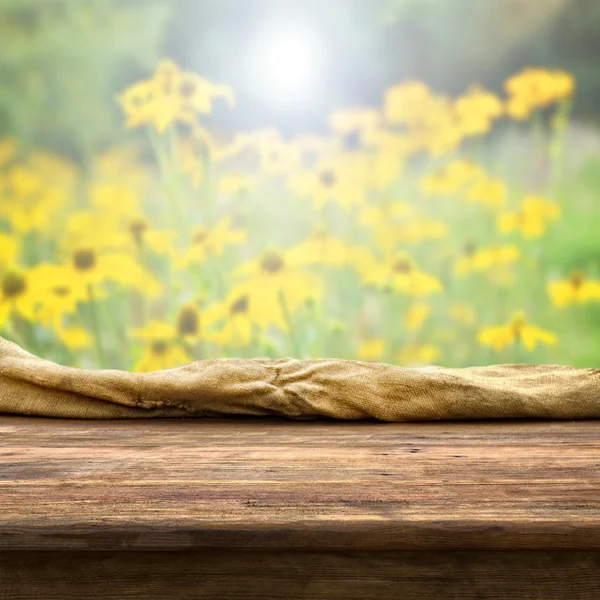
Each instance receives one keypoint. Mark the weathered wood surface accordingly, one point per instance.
(272, 483)
(219, 574)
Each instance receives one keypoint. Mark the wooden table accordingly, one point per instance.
(267, 508)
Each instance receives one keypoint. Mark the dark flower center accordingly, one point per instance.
(402, 267)
(84, 260)
(159, 347)
(187, 89)
(138, 228)
(13, 285)
(517, 326)
(61, 290)
(139, 101)
(239, 306)
(470, 248)
(238, 221)
(327, 178)
(200, 236)
(351, 140)
(188, 322)
(576, 279)
(272, 262)
(167, 79)
(320, 235)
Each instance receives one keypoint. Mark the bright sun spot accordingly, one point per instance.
(285, 65)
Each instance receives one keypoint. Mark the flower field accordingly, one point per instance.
(400, 236)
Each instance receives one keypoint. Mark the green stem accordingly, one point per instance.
(118, 321)
(288, 320)
(166, 173)
(96, 326)
(32, 335)
(557, 146)
(143, 304)
(13, 333)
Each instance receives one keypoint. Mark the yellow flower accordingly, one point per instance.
(163, 350)
(419, 354)
(406, 103)
(17, 295)
(371, 350)
(279, 158)
(402, 275)
(533, 88)
(206, 241)
(575, 289)
(443, 140)
(483, 259)
(419, 229)
(352, 120)
(29, 202)
(517, 330)
(382, 214)
(9, 249)
(74, 338)
(351, 126)
(489, 191)
(322, 248)
(113, 201)
(390, 233)
(171, 95)
(382, 169)
(437, 128)
(23, 181)
(275, 285)
(452, 178)
(234, 185)
(476, 110)
(155, 330)
(54, 170)
(416, 316)
(122, 165)
(91, 267)
(187, 327)
(538, 204)
(237, 321)
(266, 146)
(462, 313)
(338, 179)
(518, 108)
(136, 234)
(389, 142)
(531, 220)
(161, 354)
(59, 294)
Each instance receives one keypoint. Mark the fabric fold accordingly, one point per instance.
(297, 389)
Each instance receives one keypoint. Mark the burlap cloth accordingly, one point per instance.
(298, 389)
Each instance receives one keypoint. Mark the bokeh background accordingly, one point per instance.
(336, 186)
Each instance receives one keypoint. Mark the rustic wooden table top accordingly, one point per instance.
(271, 483)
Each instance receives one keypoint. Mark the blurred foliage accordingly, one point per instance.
(62, 61)
(569, 41)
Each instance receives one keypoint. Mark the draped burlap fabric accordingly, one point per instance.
(298, 389)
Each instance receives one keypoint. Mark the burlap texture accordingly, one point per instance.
(298, 389)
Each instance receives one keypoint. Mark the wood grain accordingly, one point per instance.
(220, 574)
(269, 483)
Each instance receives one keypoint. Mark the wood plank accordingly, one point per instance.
(217, 574)
(273, 483)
